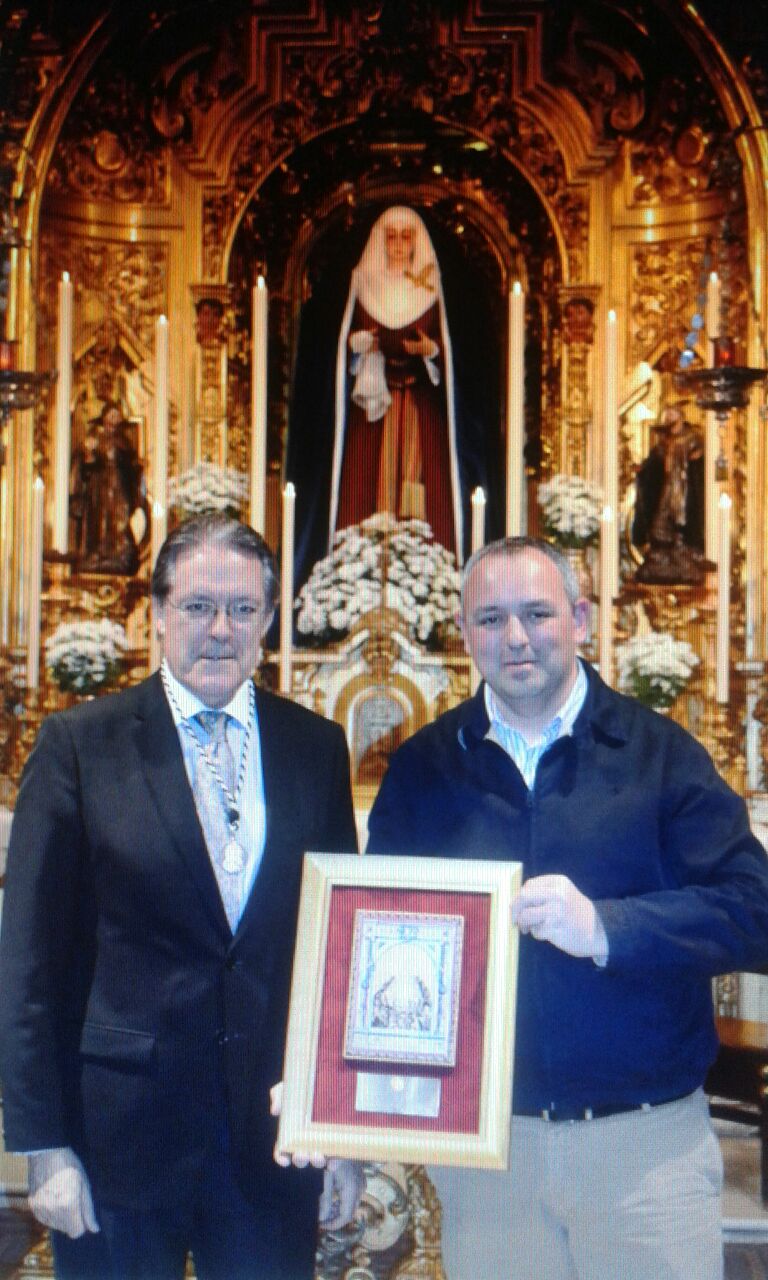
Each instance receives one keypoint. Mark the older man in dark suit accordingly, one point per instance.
(149, 919)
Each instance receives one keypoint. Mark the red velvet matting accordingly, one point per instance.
(334, 1098)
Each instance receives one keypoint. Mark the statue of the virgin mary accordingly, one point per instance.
(392, 410)
(395, 439)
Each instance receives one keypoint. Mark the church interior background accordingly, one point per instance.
(185, 190)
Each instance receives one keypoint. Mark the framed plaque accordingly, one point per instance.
(400, 1038)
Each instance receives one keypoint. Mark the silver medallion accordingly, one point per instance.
(233, 857)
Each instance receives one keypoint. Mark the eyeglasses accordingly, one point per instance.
(241, 613)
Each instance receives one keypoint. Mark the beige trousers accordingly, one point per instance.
(629, 1197)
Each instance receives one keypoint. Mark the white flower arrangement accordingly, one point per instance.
(422, 581)
(655, 667)
(571, 508)
(84, 656)
(208, 488)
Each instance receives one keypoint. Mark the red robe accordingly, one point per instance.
(400, 463)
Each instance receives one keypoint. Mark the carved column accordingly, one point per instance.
(212, 302)
(577, 306)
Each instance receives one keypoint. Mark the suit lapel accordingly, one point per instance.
(280, 801)
(158, 746)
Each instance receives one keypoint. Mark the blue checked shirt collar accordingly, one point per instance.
(527, 754)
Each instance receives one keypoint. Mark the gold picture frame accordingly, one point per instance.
(322, 1110)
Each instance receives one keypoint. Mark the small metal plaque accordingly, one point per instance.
(398, 1095)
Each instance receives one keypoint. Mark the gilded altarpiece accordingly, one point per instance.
(252, 145)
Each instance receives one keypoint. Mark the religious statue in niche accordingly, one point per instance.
(395, 448)
(398, 415)
(107, 505)
(668, 525)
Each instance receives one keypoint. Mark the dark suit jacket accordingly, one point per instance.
(128, 1010)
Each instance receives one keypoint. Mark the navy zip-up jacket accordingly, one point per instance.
(631, 809)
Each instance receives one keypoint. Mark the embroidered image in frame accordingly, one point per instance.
(404, 986)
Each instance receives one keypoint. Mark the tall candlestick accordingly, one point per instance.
(478, 540)
(160, 441)
(722, 631)
(63, 433)
(158, 528)
(478, 519)
(711, 433)
(35, 585)
(259, 325)
(605, 636)
(611, 442)
(516, 413)
(712, 311)
(286, 588)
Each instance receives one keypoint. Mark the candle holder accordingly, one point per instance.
(721, 389)
(19, 390)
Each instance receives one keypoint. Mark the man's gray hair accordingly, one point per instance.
(214, 530)
(508, 548)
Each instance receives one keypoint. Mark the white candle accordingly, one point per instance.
(35, 585)
(259, 323)
(516, 413)
(605, 637)
(286, 587)
(722, 631)
(160, 440)
(478, 519)
(158, 529)
(63, 432)
(711, 433)
(611, 443)
(478, 540)
(712, 312)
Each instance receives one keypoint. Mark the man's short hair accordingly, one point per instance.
(215, 530)
(508, 548)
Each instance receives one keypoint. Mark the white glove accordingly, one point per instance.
(59, 1192)
(552, 909)
(343, 1186)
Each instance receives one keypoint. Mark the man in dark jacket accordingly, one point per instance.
(641, 881)
(148, 930)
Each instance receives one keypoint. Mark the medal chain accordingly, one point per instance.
(205, 754)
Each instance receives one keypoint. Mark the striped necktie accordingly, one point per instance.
(212, 804)
(214, 724)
